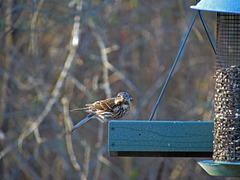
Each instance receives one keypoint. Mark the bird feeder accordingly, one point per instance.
(219, 139)
(226, 151)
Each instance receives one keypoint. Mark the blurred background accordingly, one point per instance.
(60, 55)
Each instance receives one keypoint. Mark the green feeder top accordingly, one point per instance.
(224, 6)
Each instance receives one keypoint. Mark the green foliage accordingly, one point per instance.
(134, 174)
(114, 19)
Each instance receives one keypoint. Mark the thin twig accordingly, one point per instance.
(67, 123)
(122, 77)
(103, 52)
(86, 159)
(81, 87)
(99, 152)
(107, 64)
(33, 39)
(37, 136)
(113, 167)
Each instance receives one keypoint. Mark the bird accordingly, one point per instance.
(114, 108)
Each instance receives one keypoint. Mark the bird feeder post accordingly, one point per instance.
(226, 145)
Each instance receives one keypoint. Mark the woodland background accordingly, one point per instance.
(59, 55)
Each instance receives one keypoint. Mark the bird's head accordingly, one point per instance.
(123, 97)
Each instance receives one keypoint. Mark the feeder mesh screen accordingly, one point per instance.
(227, 115)
(227, 89)
(228, 40)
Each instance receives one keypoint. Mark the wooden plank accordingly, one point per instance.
(160, 138)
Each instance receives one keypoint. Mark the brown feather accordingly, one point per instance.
(107, 104)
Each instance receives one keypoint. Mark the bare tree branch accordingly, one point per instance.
(86, 158)
(103, 52)
(68, 126)
(33, 40)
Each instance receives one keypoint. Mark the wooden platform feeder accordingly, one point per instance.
(219, 139)
(161, 138)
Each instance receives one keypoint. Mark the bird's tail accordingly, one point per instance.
(86, 119)
(79, 109)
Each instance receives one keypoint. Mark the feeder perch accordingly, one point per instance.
(226, 144)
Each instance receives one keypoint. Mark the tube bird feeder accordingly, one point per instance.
(226, 144)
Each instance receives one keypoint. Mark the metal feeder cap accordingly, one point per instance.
(224, 6)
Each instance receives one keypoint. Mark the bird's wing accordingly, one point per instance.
(95, 106)
(108, 104)
(105, 105)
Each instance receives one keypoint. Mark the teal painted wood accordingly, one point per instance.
(160, 136)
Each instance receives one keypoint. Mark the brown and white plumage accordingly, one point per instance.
(112, 108)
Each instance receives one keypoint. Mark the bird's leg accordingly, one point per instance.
(102, 119)
(106, 120)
